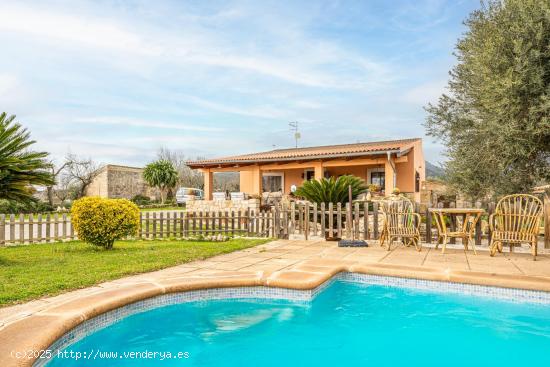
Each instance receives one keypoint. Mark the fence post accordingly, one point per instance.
(39, 225)
(55, 227)
(452, 217)
(248, 214)
(330, 220)
(232, 223)
(292, 217)
(48, 227)
(366, 220)
(349, 222)
(285, 222)
(276, 222)
(2, 229)
(375, 220)
(315, 219)
(339, 219)
(356, 221)
(68, 222)
(428, 223)
(154, 225)
(22, 228)
(64, 226)
(306, 220)
(323, 219)
(546, 219)
(146, 223)
(31, 228)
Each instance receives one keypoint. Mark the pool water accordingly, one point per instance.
(347, 324)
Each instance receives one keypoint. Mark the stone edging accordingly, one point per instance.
(41, 330)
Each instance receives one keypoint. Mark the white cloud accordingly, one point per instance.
(425, 93)
(304, 63)
(80, 30)
(119, 120)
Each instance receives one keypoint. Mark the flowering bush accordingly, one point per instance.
(103, 221)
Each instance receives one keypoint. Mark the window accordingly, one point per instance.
(272, 182)
(378, 178)
(309, 174)
(417, 182)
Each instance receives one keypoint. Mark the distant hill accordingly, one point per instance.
(433, 171)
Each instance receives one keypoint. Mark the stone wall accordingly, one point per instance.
(223, 205)
(120, 182)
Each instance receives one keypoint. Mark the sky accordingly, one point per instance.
(116, 80)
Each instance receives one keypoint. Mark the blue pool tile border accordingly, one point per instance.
(271, 293)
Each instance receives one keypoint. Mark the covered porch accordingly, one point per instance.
(385, 165)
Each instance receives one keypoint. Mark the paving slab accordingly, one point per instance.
(297, 264)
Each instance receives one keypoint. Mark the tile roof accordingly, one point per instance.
(327, 151)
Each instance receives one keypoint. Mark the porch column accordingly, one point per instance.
(208, 183)
(389, 174)
(318, 170)
(256, 181)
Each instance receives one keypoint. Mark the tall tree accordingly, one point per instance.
(187, 177)
(161, 174)
(57, 172)
(20, 167)
(495, 122)
(81, 172)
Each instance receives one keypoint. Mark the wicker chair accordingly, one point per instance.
(400, 221)
(516, 220)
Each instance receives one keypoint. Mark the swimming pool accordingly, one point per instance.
(348, 322)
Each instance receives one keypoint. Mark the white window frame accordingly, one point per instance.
(275, 174)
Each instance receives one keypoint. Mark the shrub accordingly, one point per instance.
(18, 207)
(102, 221)
(141, 200)
(331, 190)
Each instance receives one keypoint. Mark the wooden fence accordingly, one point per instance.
(360, 221)
(205, 224)
(35, 228)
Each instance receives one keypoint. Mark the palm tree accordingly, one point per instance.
(20, 167)
(161, 174)
(332, 190)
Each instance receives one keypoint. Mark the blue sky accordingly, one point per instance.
(116, 80)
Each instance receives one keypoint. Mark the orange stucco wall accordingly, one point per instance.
(405, 173)
(359, 171)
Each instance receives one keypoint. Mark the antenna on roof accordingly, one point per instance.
(294, 127)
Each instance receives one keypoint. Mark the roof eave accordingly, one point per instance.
(198, 164)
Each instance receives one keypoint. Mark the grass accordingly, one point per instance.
(33, 271)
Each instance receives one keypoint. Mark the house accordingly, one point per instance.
(389, 164)
(114, 181)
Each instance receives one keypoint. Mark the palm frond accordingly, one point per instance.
(20, 168)
(331, 190)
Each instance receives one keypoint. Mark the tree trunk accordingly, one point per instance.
(49, 191)
(162, 194)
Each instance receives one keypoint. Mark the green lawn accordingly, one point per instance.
(32, 271)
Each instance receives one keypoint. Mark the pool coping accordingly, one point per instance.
(41, 330)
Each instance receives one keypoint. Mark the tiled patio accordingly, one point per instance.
(282, 263)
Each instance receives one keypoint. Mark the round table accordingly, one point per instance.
(470, 217)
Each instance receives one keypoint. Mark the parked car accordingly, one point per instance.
(184, 194)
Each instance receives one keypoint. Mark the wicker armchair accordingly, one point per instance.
(516, 220)
(400, 221)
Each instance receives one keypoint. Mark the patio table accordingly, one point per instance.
(465, 231)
